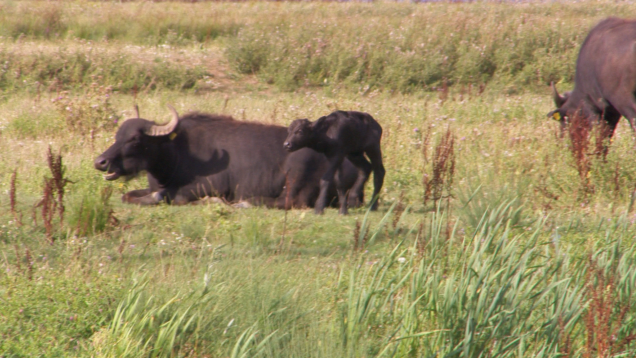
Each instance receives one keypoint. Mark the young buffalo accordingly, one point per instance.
(342, 134)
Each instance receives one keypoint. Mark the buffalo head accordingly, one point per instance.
(299, 134)
(561, 102)
(135, 146)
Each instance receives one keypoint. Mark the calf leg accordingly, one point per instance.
(326, 180)
(375, 155)
(356, 192)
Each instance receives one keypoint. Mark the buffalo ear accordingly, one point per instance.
(317, 123)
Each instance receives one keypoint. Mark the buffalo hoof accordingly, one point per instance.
(354, 202)
(210, 200)
(242, 205)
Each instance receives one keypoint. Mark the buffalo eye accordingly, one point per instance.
(135, 140)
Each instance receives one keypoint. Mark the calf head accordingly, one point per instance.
(299, 135)
(136, 146)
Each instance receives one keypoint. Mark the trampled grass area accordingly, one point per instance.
(531, 255)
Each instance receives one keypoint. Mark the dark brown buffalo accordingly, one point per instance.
(605, 79)
(201, 155)
(340, 135)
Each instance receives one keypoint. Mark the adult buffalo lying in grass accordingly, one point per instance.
(201, 155)
(605, 79)
(340, 135)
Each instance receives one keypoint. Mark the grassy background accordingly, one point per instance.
(401, 47)
(527, 258)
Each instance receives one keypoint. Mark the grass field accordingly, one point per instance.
(513, 244)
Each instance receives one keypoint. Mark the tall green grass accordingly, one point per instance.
(45, 312)
(403, 47)
(417, 47)
(494, 292)
(140, 23)
(67, 69)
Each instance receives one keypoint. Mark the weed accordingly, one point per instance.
(356, 236)
(397, 212)
(606, 313)
(58, 181)
(17, 216)
(548, 196)
(47, 205)
(17, 257)
(579, 129)
(29, 261)
(426, 139)
(52, 195)
(438, 184)
(443, 91)
(566, 340)
(616, 179)
(120, 250)
(601, 132)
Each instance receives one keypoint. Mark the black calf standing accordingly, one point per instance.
(342, 134)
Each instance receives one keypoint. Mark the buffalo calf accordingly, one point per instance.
(340, 135)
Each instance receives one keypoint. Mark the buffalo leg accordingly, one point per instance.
(142, 197)
(342, 192)
(326, 180)
(364, 170)
(625, 106)
(135, 194)
(375, 156)
(609, 122)
(288, 198)
(276, 203)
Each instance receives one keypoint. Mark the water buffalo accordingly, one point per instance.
(200, 155)
(340, 135)
(605, 79)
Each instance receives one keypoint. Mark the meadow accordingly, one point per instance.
(498, 235)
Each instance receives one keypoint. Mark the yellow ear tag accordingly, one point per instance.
(172, 135)
(556, 116)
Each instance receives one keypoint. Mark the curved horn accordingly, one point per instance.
(157, 130)
(558, 99)
(136, 111)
